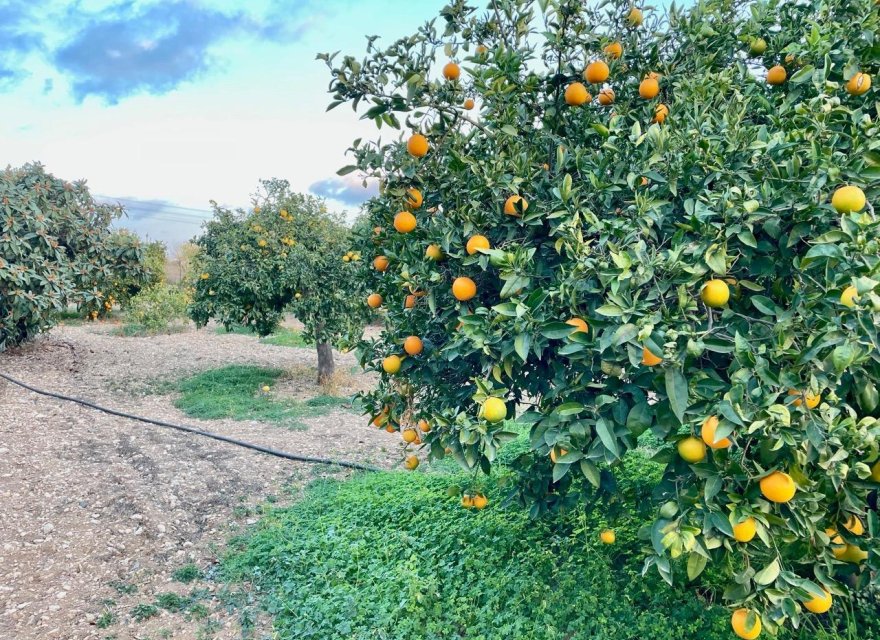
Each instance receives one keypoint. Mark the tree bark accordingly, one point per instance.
(326, 366)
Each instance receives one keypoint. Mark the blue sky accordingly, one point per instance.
(169, 104)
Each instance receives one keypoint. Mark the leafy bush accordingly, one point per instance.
(387, 556)
(675, 252)
(56, 248)
(156, 306)
(288, 254)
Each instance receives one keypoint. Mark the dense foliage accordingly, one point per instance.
(56, 248)
(156, 306)
(624, 221)
(287, 254)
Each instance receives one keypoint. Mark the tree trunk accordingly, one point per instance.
(326, 366)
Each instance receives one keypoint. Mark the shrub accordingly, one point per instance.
(288, 254)
(156, 306)
(647, 262)
(56, 248)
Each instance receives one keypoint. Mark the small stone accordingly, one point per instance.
(48, 528)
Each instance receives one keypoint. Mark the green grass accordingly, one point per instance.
(235, 392)
(187, 573)
(143, 612)
(393, 555)
(282, 338)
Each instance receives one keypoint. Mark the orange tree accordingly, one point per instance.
(606, 221)
(286, 254)
(56, 248)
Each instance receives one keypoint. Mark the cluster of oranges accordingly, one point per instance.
(351, 256)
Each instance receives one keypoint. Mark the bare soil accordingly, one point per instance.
(97, 512)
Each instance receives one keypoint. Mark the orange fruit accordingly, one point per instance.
(554, 457)
(480, 501)
(854, 526)
(849, 297)
(649, 359)
(464, 288)
(380, 263)
(649, 88)
(776, 75)
(660, 113)
(409, 302)
(576, 94)
(414, 198)
(606, 97)
(707, 432)
(875, 472)
(391, 364)
(404, 222)
(374, 300)
(813, 399)
(715, 293)
(579, 323)
(451, 71)
(482, 49)
(608, 536)
(739, 621)
(477, 242)
(390, 429)
(778, 487)
(434, 252)
(494, 410)
(820, 604)
(692, 449)
(848, 199)
(409, 435)
(613, 50)
(745, 530)
(411, 462)
(417, 145)
(469, 104)
(467, 501)
(597, 72)
(424, 426)
(858, 84)
(514, 203)
(635, 17)
(413, 345)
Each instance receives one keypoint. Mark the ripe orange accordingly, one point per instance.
(374, 300)
(482, 49)
(380, 263)
(469, 104)
(391, 364)
(554, 457)
(464, 288)
(848, 199)
(849, 297)
(417, 146)
(608, 536)
(413, 345)
(692, 450)
(409, 302)
(776, 75)
(819, 604)
(576, 94)
(649, 88)
(745, 530)
(411, 462)
(858, 84)
(813, 399)
(715, 293)
(606, 96)
(477, 242)
(778, 487)
(414, 198)
(579, 323)
(513, 205)
(635, 17)
(480, 501)
(433, 252)
(451, 71)
(404, 222)
(597, 72)
(854, 526)
(390, 429)
(467, 501)
(613, 50)
(649, 359)
(424, 426)
(494, 410)
(739, 621)
(707, 432)
(660, 113)
(409, 435)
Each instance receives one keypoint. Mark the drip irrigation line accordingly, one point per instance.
(193, 430)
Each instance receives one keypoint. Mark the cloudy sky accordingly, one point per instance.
(165, 105)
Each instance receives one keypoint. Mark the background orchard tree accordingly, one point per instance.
(287, 254)
(625, 222)
(57, 248)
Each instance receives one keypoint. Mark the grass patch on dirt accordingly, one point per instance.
(284, 337)
(133, 330)
(236, 392)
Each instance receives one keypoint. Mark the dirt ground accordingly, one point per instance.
(97, 512)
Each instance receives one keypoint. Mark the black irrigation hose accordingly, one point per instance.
(198, 432)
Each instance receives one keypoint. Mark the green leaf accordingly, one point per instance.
(624, 333)
(556, 330)
(344, 171)
(521, 345)
(639, 418)
(591, 472)
(610, 310)
(696, 564)
(677, 392)
(768, 574)
(606, 435)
